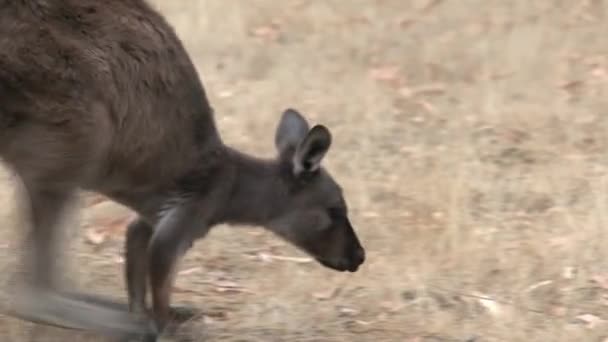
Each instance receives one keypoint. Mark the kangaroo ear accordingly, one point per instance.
(292, 129)
(311, 150)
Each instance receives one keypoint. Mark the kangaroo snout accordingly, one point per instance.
(358, 258)
(349, 262)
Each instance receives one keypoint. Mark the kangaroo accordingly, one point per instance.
(102, 96)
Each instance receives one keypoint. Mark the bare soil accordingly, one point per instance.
(471, 138)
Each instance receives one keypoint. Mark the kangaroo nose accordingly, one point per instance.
(360, 255)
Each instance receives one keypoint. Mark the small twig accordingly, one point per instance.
(499, 301)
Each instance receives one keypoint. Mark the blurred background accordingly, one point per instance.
(471, 138)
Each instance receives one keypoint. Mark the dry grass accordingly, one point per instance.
(471, 138)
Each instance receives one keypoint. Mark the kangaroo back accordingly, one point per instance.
(112, 77)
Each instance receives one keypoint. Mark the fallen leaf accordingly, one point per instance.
(590, 320)
(413, 339)
(189, 271)
(426, 8)
(392, 307)
(225, 94)
(226, 284)
(427, 89)
(601, 280)
(95, 236)
(327, 295)
(559, 311)
(268, 32)
(420, 14)
(571, 85)
(232, 290)
(264, 257)
(600, 73)
(370, 214)
(269, 257)
(427, 106)
(178, 289)
(560, 242)
(494, 76)
(604, 300)
(489, 304)
(109, 217)
(208, 320)
(299, 260)
(216, 315)
(539, 285)
(347, 311)
(386, 73)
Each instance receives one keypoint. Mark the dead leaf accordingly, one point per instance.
(269, 33)
(590, 320)
(560, 242)
(95, 236)
(371, 214)
(413, 339)
(327, 295)
(426, 8)
(539, 285)
(264, 257)
(226, 284)
(216, 315)
(270, 257)
(100, 231)
(189, 271)
(429, 108)
(571, 85)
(559, 311)
(392, 307)
(601, 280)
(600, 73)
(427, 89)
(494, 76)
(406, 22)
(489, 303)
(232, 290)
(178, 289)
(109, 217)
(225, 94)
(420, 14)
(299, 260)
(347, 311)
(604, 300)
(385, 73)
(208, 320)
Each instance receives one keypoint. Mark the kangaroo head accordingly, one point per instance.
(314, 216)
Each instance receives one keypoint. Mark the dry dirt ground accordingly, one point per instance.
(471, 138)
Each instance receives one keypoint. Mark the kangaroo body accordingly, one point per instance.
(116, 77)
(101, 95)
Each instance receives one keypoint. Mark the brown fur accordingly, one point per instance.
(101, 95)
